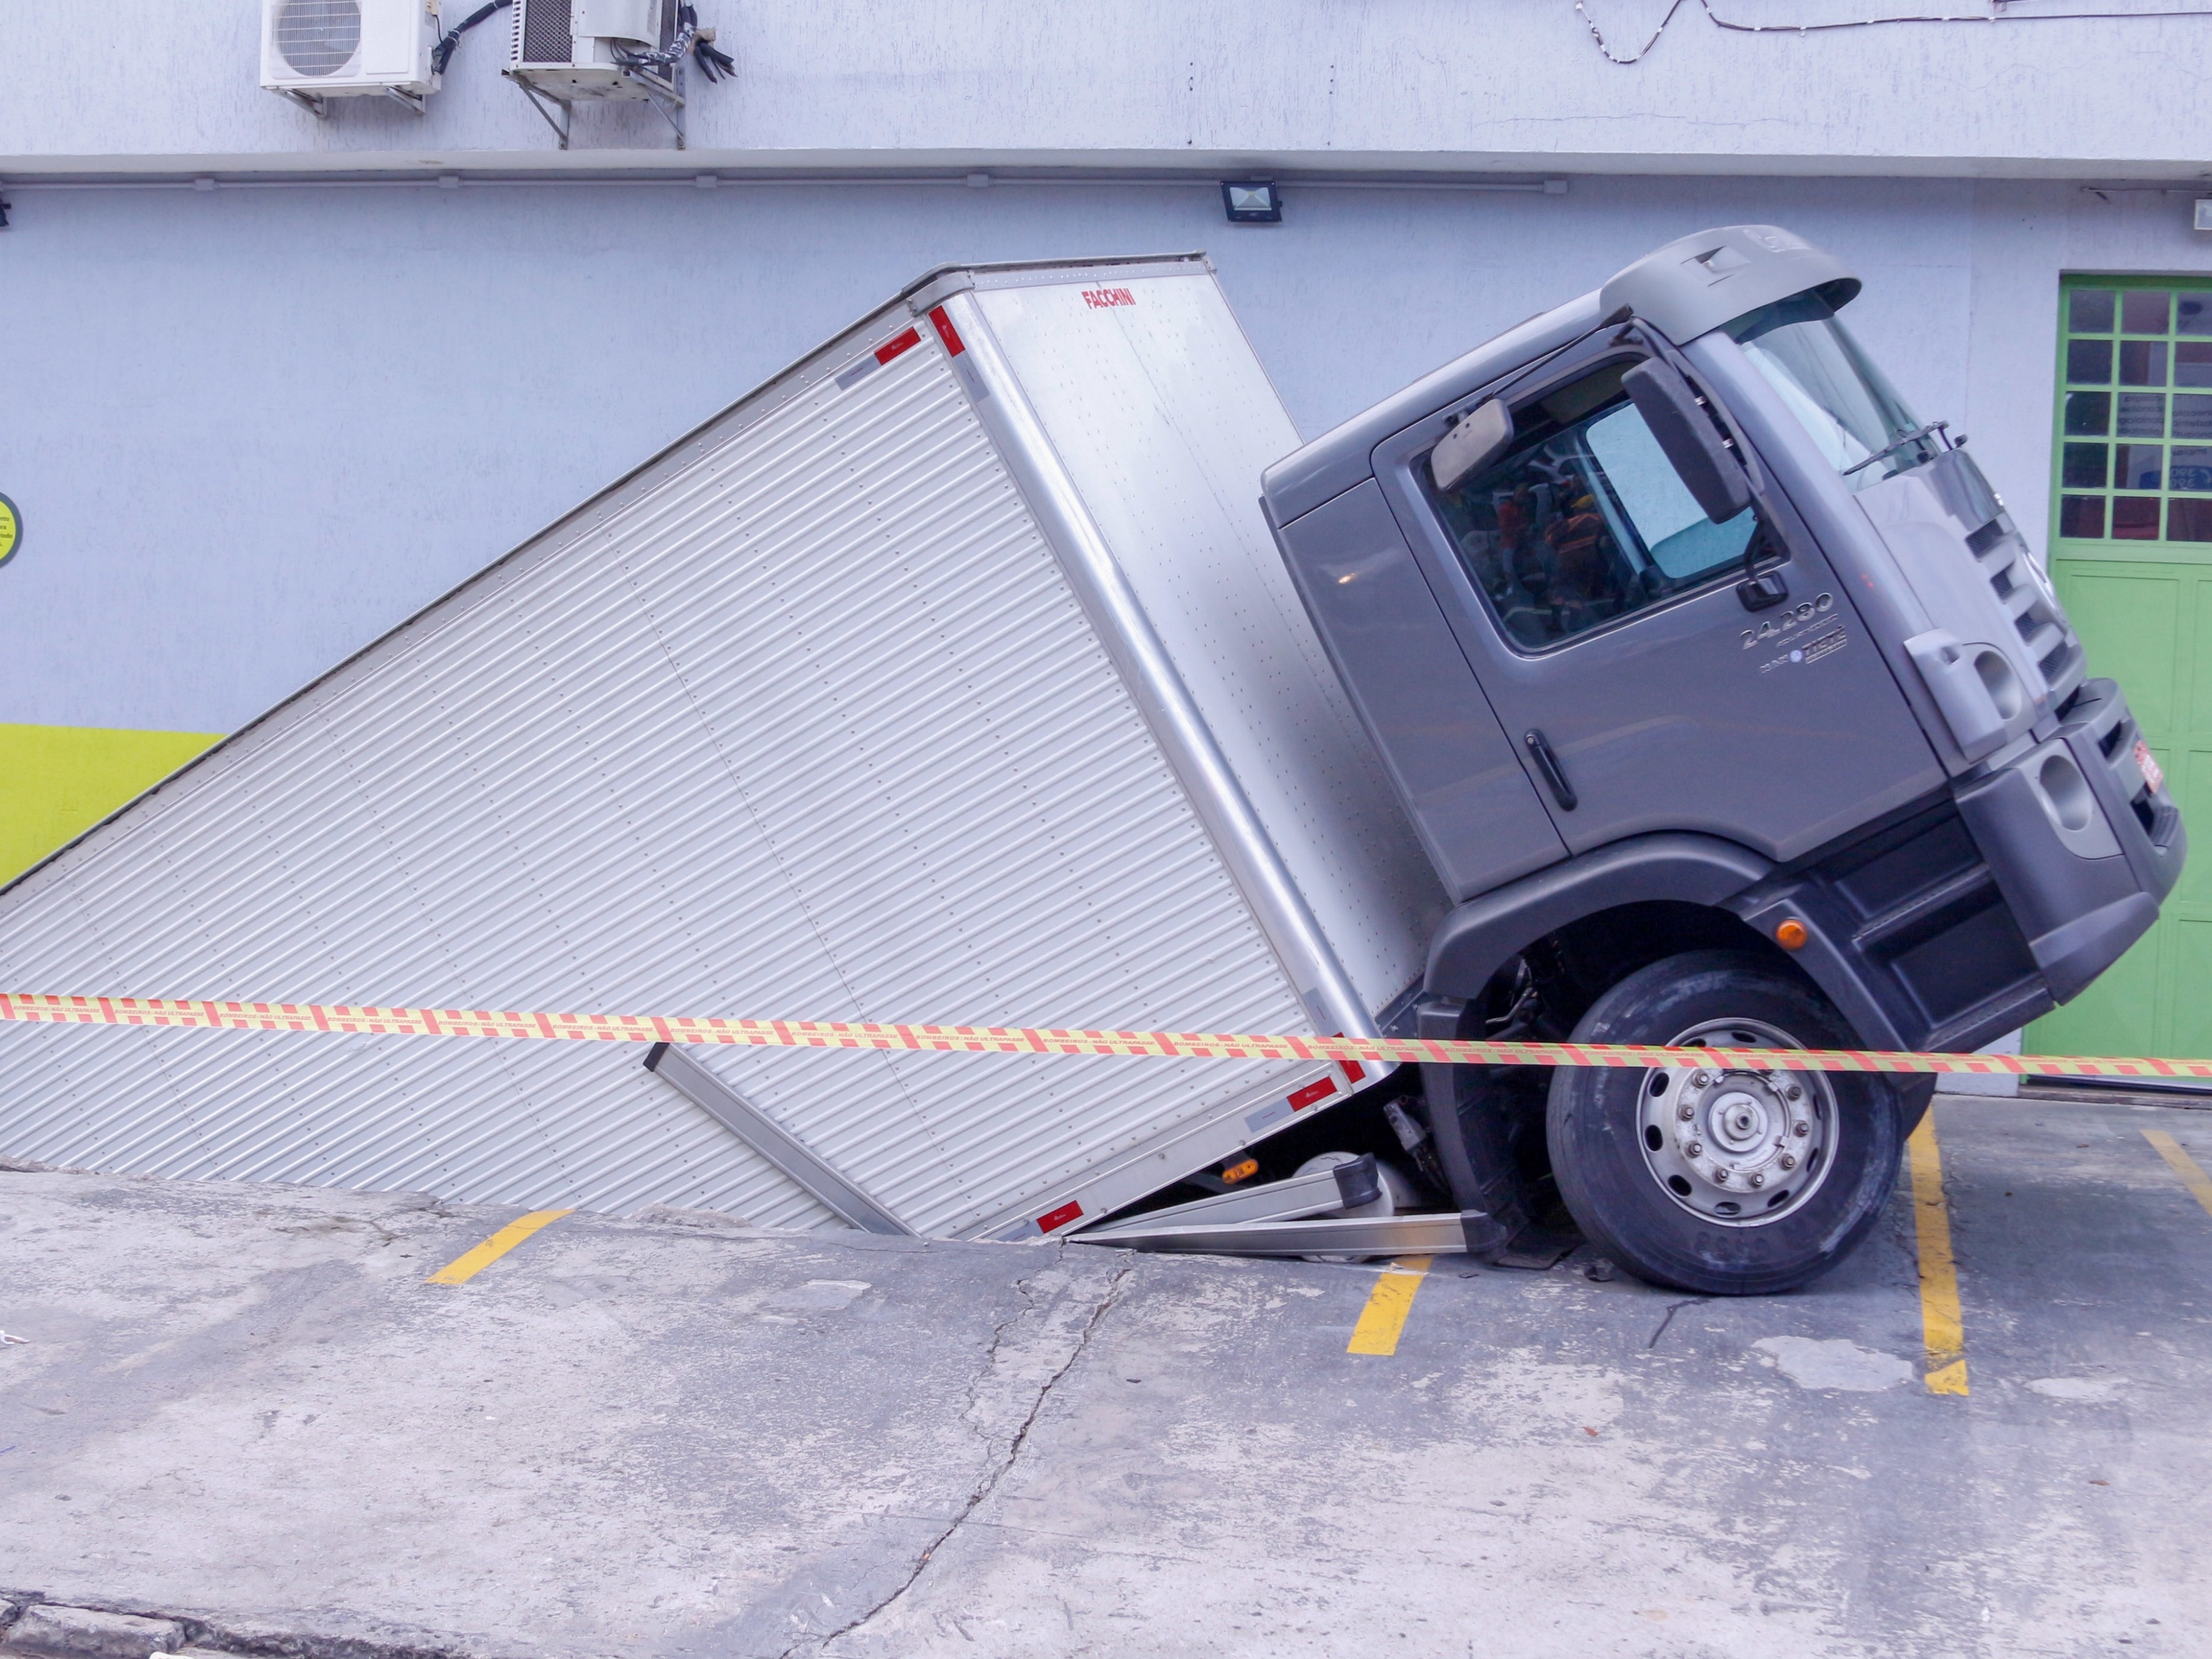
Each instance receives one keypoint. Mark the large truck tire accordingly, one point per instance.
(1914, 1095)
(1724, 1183)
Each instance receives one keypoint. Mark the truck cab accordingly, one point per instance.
(1730, 707)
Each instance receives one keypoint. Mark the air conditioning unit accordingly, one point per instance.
(313, 50)
(576, 51)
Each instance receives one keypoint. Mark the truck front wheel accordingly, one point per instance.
(1736, 1183)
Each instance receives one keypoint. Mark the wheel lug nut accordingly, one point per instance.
(1698, 1080)
(1787, 1161)
(1685, 1113)
(1695, 1149)
(1801, 1129)
(1759, 1180)
(1795, 1093)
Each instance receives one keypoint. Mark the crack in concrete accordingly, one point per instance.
(989, 1483)
(998, 1340)
(1674, 1308)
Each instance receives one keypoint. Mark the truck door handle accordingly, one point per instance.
(1554, 774)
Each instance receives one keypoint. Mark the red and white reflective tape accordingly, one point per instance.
(343, 1018)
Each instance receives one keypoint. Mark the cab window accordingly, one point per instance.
(1583, 520)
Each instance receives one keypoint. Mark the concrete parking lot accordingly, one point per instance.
(248, 1415)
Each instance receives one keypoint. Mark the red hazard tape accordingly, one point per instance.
(347, 1019)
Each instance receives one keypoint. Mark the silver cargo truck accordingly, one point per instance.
(1658, 677)
(1731, 708)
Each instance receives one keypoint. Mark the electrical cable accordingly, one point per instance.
(715, 64)
(1732, 26)
(442, 53)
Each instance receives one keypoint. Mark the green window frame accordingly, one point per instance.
(2132, 455)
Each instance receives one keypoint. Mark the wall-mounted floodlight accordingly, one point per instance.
(2204, 213)
(1252, 202)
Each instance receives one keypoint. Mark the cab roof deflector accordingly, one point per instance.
(1696, 284)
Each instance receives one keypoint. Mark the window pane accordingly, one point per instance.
(2189, 521)
(2083, 466)
(2143, 415)
(1586, 521)
(2140, 467)
(2090, 362)
(2082, 516)
(2192, 417)
(2089, 414)
(2146, 312)
(2190, 469)
(2135, 518)
(2142, 362)
(2192, 364)
(2194, 314)
(2089, 311)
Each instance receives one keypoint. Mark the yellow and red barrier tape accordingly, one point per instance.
(194, 1014)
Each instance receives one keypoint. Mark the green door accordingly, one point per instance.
(2131, 553)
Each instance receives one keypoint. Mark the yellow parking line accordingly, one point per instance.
(2192, 1178)
(1383, 1318)
(466, 1266)
(1942, 1330)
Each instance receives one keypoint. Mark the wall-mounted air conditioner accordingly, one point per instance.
(313, 50)
(573, 51)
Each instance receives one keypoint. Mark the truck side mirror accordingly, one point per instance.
(1688, 438)
(1475, 440)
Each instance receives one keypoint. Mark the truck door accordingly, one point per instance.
(1600, 608)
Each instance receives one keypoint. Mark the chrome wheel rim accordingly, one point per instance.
(1741, 1147)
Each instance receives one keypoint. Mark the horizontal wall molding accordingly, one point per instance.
(707, 168)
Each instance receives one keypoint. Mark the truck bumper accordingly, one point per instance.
(2081, 843)
(1972, 914)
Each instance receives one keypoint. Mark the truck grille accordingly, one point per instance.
(2108, 719)
(2049, 637)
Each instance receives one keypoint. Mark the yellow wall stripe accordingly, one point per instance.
(1384, 1319)
(466, 1266)
(2193, 1176)
(57, 781)
(1943, 1328)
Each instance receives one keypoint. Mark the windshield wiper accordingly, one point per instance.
(1896, 444)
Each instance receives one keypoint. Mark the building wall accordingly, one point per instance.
(1513, 83)
(250, 430)
(252, 426)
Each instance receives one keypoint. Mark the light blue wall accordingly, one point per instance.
(250, 430)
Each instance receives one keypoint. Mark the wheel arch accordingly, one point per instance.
(1479, 937)
(1667, 892)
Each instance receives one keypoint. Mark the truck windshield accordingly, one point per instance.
(1833, 388)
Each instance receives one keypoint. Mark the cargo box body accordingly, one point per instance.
(951, 676)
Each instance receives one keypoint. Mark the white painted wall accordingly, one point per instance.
(142, 84)
(249, 431)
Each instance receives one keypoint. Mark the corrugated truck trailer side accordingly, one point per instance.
(951, 676)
